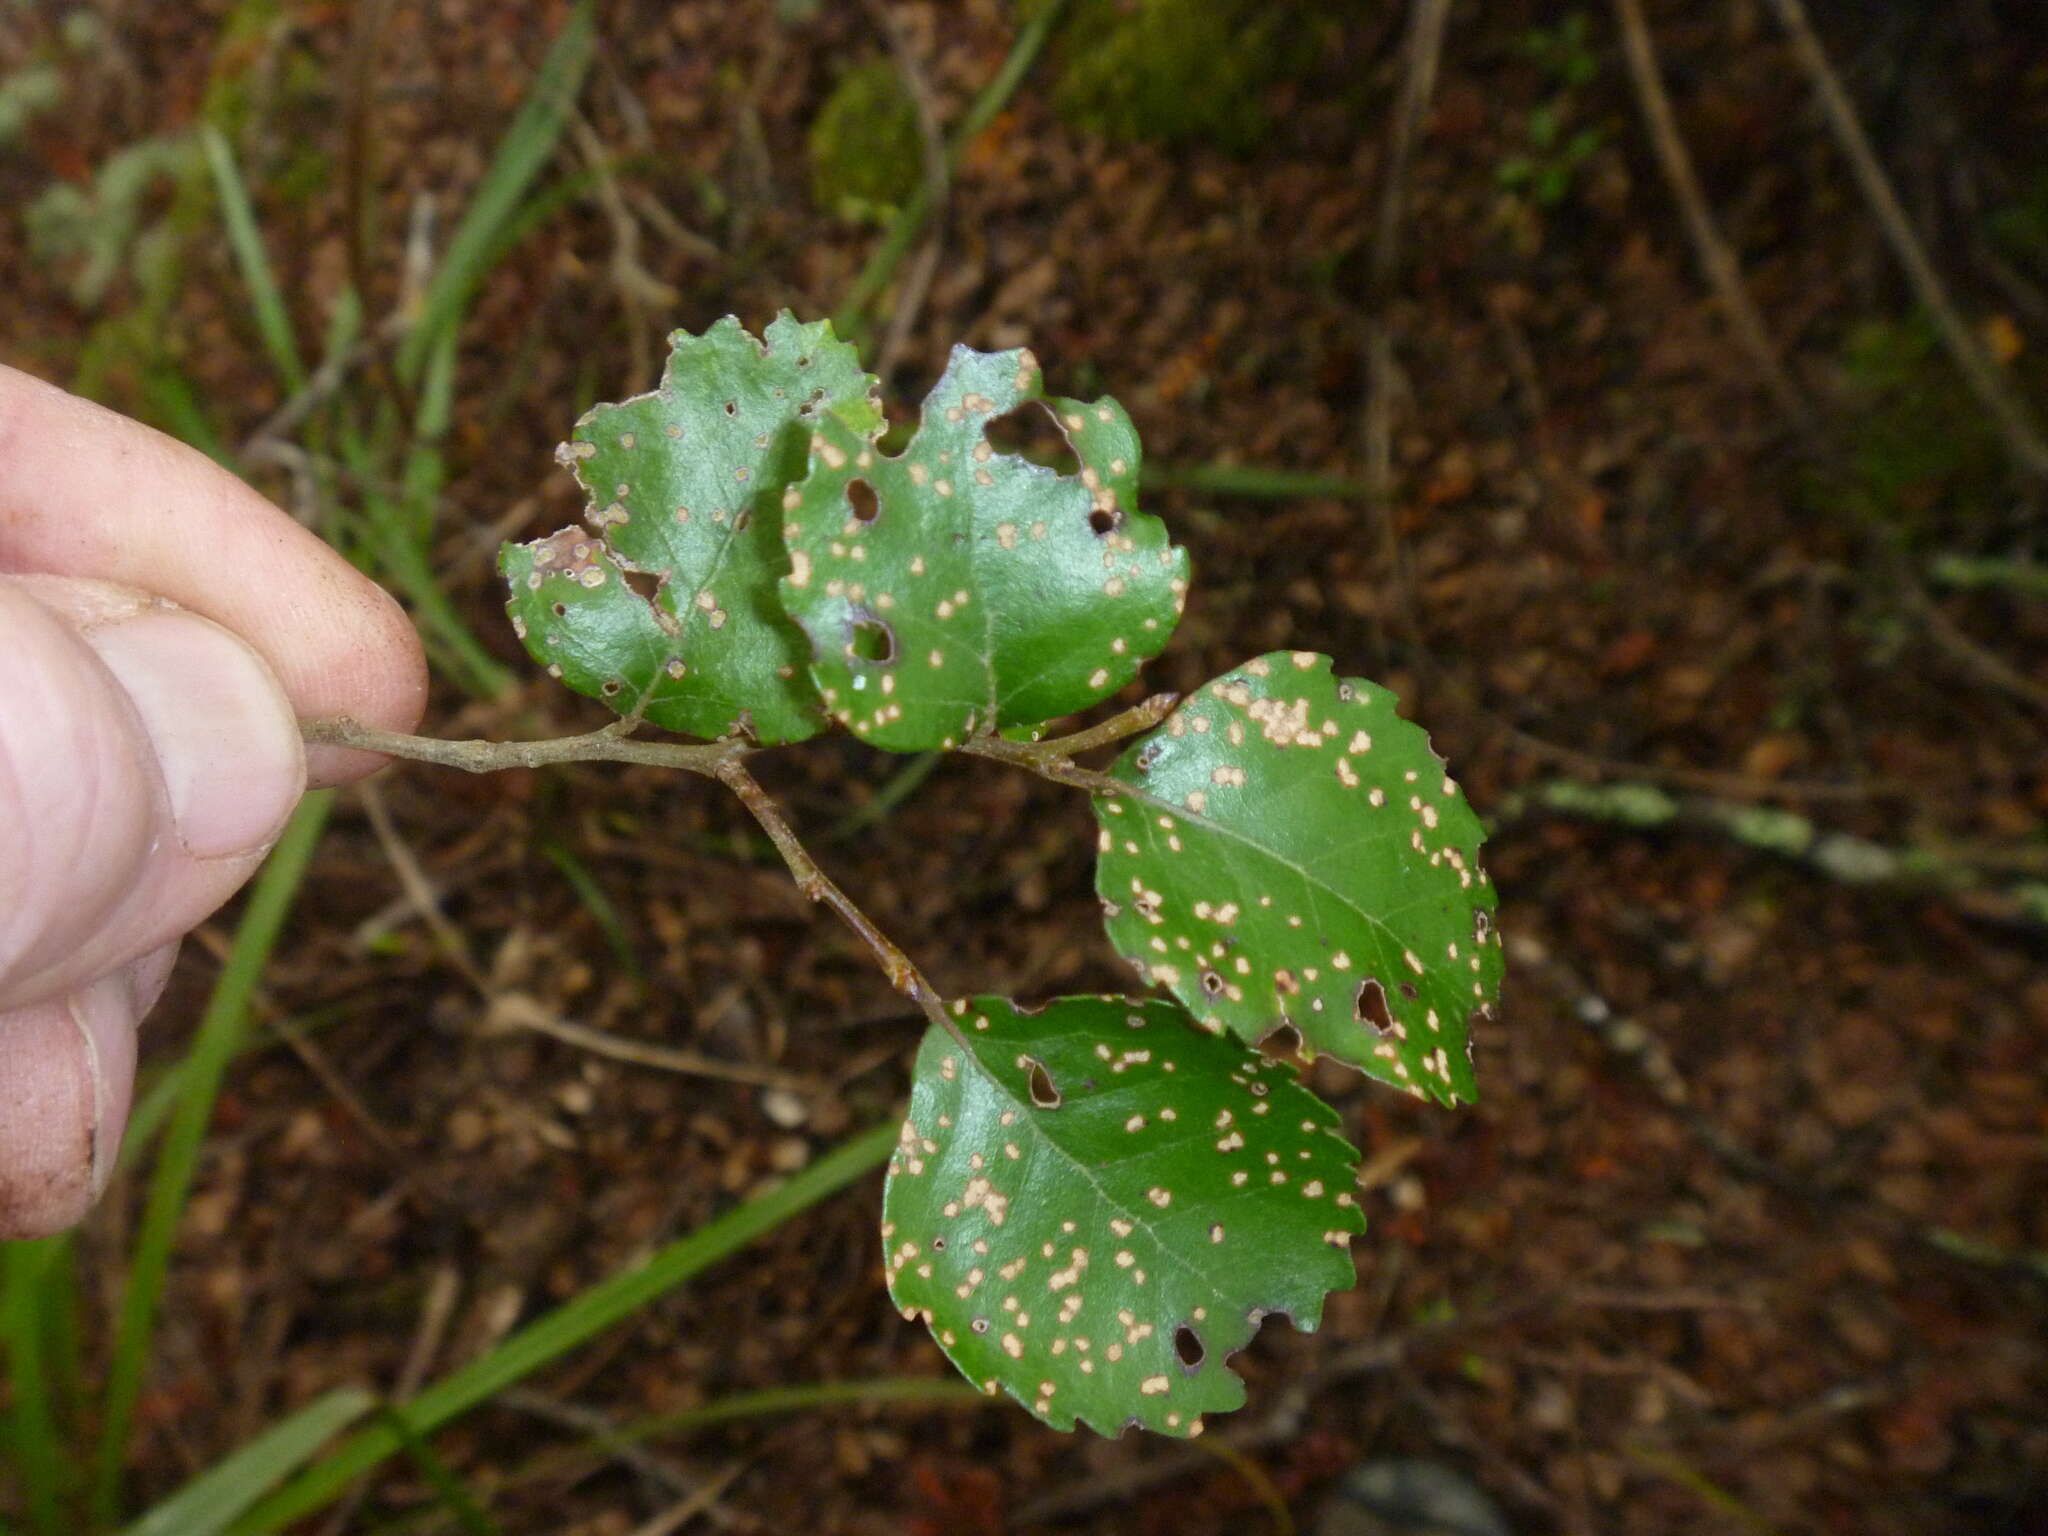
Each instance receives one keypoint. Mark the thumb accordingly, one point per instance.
(67, 1073)
(147, 759)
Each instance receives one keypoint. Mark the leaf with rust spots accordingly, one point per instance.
(686, 486)
(1092, 1205)
(1292, 853)
(955, 589)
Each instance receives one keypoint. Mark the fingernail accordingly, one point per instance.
(104, 1015)
(224, 735)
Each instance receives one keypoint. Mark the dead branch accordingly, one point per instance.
(1717, 261)
(2015, 422)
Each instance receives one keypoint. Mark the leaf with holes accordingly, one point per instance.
(686, 488)
(957, 589)
(1092, 1205)
(1291, 853)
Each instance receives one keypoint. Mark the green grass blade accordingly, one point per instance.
(911, 219)
(604, 1304)
(603, 910)
(157, 1094)
(64, 1333)
(809, 1397)
(449, 639)
(527, 146)
(1253, 482)
(396, 554)
(26, 1273)
(175, 406)
(273, 320)
(221, 1031)
(456, 1500)
(223, 1492)
(2026, 577)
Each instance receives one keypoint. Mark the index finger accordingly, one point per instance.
(87, 492)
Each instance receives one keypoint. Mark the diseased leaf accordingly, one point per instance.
(686, 486)
(956, 589)
(1292, 853)
(1095, 1210)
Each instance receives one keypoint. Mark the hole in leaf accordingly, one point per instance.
(1188, 1345)
(803, 362)
(1282, 1040)
(861, 497)
(732, 408)
(1482, 925)
(938, 1245)
(1211, 983)
(1045, 1092)
(643, 583)
(869, 639)
(610, 686)
(1030, 432)
(1370, 1007)
(561, 610)
(1101, 522)
(810, 405)
(979, 1325)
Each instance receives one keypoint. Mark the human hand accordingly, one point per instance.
(163, 629)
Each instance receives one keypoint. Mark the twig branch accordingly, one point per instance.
(2023, 438)
(902, 972)
(1424, 50)
(1054, 759)
(1716, 259)
(938, 175)
(911, 219)
(1990, 891)
(508, 1013)
(611, 743)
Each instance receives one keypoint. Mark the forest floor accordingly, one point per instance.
(1745, 1232)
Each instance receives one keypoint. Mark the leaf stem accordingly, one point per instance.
(1054, 759)
(724, 761)
(901, 970)
(611, 743)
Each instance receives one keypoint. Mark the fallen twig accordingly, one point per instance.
(1424, 50)
(2016, 424)
(1981, 889)
(1716, 259)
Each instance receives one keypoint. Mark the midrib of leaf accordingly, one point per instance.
(1045, 1137)
(1182, 813)
(691, 613)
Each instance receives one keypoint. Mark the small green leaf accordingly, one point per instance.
(686, 486)
(1292, 853)
(955, 589)
(1093, 1205)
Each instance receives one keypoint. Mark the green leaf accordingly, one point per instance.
(955, 589)
(1292, 853)
(1096, 1209)
(220, 1495)
(686, 487)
